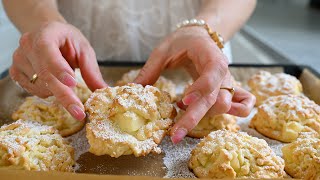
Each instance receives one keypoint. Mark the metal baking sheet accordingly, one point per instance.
(11, 96)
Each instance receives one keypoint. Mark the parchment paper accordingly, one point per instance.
(173, 161)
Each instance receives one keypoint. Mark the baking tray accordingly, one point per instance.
(12, 96)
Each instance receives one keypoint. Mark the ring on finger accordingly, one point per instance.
(34, 78)
(230, 89)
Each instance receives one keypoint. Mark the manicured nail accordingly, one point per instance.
(178, 135)
(181, 105)
(190, 98)
(68, 80)
(76, 112)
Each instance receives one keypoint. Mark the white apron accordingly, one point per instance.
(127, 30)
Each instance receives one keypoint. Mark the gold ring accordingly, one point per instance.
(231, 89)
(34, 78)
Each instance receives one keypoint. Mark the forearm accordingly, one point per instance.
(28, 15)
(226, 16)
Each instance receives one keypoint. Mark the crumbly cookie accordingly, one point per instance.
(81, 90)
(302, 157)
(129, 119)
(30, 145)
(163, 83)
(284, 117)
(264, 85)
(208, 124)
(226, 154)
(50, 112)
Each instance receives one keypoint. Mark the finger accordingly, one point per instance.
(89, 68)
(21, 71)
(22, 79)
(223, 103)
(194, 113)
(151, 71)
(224, 99)
(181, 105)
(22, 63)
(23, 66)
(63, 93)
(211, 65)
(210, 79)
(191, 69)
(66, 97)
(242, 104)
(56, 64)
(25, 83)
(42, 50)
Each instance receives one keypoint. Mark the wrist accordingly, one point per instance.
(41, 22)
(215, 36)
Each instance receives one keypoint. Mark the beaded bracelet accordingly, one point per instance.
(216, 37)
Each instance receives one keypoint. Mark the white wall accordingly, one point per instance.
(9, 40)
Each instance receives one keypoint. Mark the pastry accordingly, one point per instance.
(129, 119)
(81, 90)
(264, 85)
(284, 117)
(50, 112)
(225, 154)
(29, 145)
(208, 124)
(162, 83)
(302, 157)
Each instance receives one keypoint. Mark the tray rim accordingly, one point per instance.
(287, 67)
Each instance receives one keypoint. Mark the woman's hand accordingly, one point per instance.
(53, 52)
(193, 49)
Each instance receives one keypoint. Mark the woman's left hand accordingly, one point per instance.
(192, 48)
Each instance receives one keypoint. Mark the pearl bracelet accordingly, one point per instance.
(216, 37)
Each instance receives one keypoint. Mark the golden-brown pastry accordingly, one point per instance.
(302, 157)
(225, 154)
(82, 91)
(50, 112)
(264, 85)
(162, 83)
(29, 145)
(284, 117)
(129, 119)
(208, 124)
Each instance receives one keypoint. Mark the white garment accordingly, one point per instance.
(127, 30)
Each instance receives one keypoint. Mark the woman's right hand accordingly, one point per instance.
(53, 52)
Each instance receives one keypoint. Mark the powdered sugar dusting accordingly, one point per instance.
(23, 143)
(80, 143)
(177, 157)
(108, 131)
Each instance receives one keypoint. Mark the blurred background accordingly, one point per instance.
(280, 31)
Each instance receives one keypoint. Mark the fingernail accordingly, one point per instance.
(178, 135)
(181, 105)
(68, 80)
(190, 98)
(76, 112)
